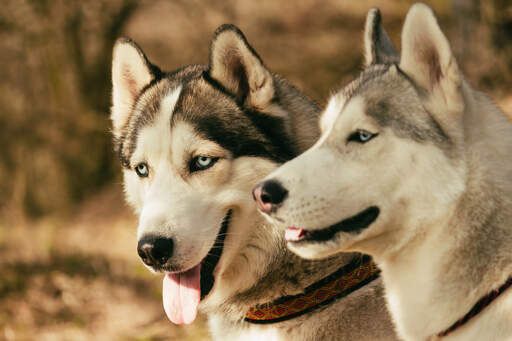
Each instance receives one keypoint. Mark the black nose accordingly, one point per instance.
(269, 194)
(155, 251)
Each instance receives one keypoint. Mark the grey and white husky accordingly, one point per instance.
(192, 144)
(413, 167)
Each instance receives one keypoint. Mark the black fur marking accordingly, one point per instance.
(209, 263)
(126, 143)
(382, 49)
(218, 116)
(355, 224)
(262, 136)
(282, 146)
(218, 86)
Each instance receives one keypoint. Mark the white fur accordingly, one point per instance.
(332, 111)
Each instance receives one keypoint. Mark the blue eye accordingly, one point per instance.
(361, 136)
(142, 170)
(202, 162)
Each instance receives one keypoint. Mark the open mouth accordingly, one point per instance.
(182, 292)
(209, 263)
(355, 223)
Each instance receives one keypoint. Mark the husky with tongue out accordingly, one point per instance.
(192, 143)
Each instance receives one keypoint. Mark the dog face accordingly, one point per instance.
(179, 182)
(193, 143)
(388, 163)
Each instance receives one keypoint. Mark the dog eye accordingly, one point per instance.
(361, 136)
(142, 170)
(202, 162)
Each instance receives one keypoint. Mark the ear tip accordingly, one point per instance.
(372, 21)
(420, 10)
(123, 42)
(228, 28)
(420, 18)
(373, 15)
(420, 6)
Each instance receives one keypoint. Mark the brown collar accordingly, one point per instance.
(478, 307)
(338, 284)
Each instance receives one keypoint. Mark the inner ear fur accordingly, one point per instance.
(131, 72)
(426, 54)
(237, 67)
(378, 47)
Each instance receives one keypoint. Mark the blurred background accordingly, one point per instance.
(68, 264)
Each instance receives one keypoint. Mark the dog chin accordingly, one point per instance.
(315, 250)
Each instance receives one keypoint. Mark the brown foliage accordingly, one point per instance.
(80, 278)
(55, 83)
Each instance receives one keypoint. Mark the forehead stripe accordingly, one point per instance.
(161, 108)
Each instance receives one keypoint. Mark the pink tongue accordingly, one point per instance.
(293, 233)
(181, 294)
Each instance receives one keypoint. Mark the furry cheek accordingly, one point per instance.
(134, 190)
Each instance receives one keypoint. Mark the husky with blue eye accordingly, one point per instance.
(193, 142)
(413, 167)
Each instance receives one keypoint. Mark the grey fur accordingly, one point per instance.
(403, 112)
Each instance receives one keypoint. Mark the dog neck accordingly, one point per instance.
(267, 271)
(435, 280)
(478, 307)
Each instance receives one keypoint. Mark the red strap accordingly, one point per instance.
(478, 307)
(339, 284)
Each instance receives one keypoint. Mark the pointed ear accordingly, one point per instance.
(426, 54)
(131, 72)
(238, 68)
(378, 47)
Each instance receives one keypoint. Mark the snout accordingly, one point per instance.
(155, 251)
(269, 195)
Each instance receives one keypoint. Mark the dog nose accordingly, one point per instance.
(155, 251)
(269, 194)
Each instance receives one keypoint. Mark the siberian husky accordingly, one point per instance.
(192, 144)
(413, 167)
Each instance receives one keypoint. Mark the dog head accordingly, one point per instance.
(388, 162)
(192, 143)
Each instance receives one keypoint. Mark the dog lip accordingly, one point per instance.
(355, 223)
(209, 263)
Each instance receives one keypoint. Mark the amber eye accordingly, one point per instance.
(361, 136)
(142, 170)
(202, 162)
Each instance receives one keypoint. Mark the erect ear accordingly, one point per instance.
(239, 69)
(378, 47)
(426, 54)
(131, 72)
